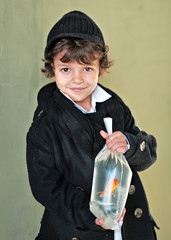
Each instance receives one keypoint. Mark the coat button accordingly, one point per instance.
(131, 189)
(80, 188)
(138, 212)
(142, 146)
(40, 113)
(75, 238)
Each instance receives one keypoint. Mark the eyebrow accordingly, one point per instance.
(67, 64)
(61, 65)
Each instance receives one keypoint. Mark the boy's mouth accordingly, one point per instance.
(77, 89)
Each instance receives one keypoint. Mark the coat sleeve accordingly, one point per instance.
(142, 152)
(51, 189)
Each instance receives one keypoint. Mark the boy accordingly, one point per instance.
(68, 132)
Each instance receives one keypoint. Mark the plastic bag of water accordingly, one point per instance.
(111, 181)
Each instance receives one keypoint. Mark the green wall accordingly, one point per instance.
(138, 33)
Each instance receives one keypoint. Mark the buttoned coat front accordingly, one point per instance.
(62, 143)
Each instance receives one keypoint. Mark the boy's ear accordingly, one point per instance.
(101, 73)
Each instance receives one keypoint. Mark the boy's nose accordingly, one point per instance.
(77, 77)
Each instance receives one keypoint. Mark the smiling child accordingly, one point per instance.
(68, 131)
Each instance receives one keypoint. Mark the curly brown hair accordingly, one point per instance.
(82, 51)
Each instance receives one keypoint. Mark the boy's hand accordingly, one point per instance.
(116, 142)
(100, 221)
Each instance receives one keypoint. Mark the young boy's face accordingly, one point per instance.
(77, 80)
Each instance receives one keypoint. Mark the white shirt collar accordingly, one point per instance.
(98, 95)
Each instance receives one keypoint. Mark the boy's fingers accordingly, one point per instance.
(99, 221)
(122, 215)
(116, 142)
(121, 149)
(104, 134)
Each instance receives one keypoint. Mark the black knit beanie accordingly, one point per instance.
(76, 25)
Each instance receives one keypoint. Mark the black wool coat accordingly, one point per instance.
(62, 143)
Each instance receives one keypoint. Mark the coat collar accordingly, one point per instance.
(98, 95)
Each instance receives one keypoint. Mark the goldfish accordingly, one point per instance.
(111, 187)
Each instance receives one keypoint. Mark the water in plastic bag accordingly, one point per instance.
(111, 181)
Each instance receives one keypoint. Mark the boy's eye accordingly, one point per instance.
(65, 69)
(88, 69)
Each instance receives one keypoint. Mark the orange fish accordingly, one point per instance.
(111, 187)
